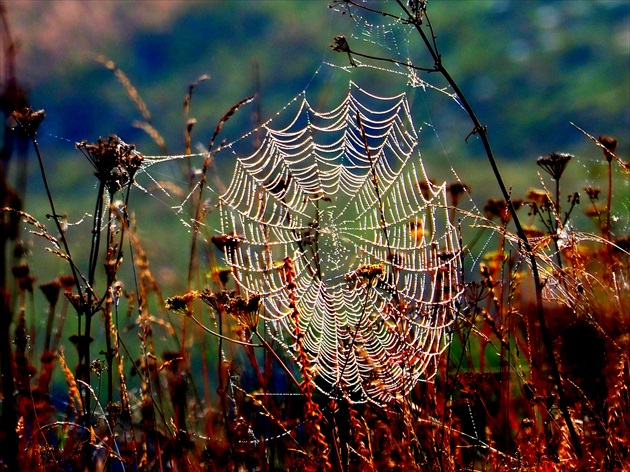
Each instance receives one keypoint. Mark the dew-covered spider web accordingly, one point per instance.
(333, 222)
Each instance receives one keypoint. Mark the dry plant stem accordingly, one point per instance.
(107, 312)
(54, 215)
(481, 131)
(273, 353)
(83, 355)
(202, 183)
(221, 388)
(559, 219)
(608, 201)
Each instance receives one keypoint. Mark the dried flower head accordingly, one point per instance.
(67, 282)
(180, 302)
(456, 190)
(244, 311)
(51, 291)
(623, 244)
(610, 145)
(340, 44)
(499, 209)
(554, 164)
(21, 272)
(369, 272)
(221, 275)
(29, 120)
(533, 233)
(426, 187)
(115, 162)
(540, 197)
(97, 366)
(592, 192)
(226, 243)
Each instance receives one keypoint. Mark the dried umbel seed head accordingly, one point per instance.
(217, 300)
(21, 272)
(340, 44)
(223, 275)
(369, 272)
(532, 232)
(610, 145)
(97, 366)
(173, 360)
(29, 120)
(244, 311)
(554, 164)
(180, 302)
(81, 341)
(115, 162)
(68, 282)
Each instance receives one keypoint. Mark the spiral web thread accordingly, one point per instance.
(374, 257)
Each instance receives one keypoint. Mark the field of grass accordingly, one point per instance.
(501, 344)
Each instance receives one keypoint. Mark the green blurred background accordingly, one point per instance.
(529, 68)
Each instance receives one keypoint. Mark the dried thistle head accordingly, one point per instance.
(115, 162)
(554, 164)
(29, 120)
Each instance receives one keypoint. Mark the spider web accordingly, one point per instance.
(334, 223)
(333, 217)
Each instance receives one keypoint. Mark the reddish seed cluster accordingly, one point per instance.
(312, 411)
